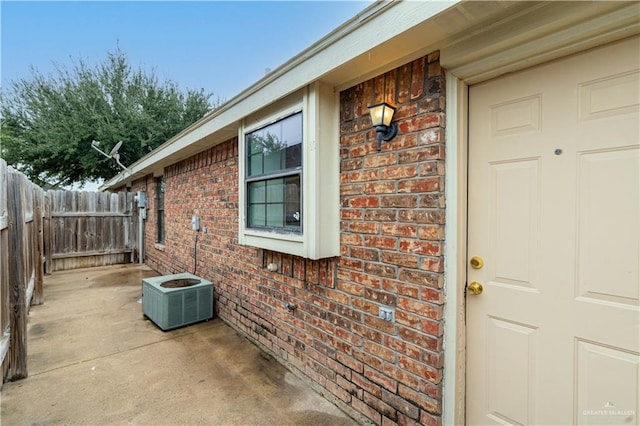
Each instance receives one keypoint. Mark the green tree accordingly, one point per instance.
(47, 123)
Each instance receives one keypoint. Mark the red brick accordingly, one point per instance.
(368, 202)
(431, 279)
(349, 361)
(401, 142)
(401, 404)
(418, 77)
(390, 79)
(400, 259)
(399, 230)
(364, 253)
(408, 109)
(428, 419)
(420, 185)
(404, 82)
(366, 384)
(434, 264)
(363, 176)
(350, 214)
(399, 201)
(429, 248)
(421, 154)
(434, 69)
(352, 239)
(363, 150)
(434, 390)
(380, 242)
(432, 200)
(351, 288)
(422, 308)
(380, 270)
(367, 411)
(381, 215)
(338, 297)
(432, 168)
(421, 369)
(403, 377)
(429, 232)
(366, 280)
(399, 172)
(351, 164)
(380, 188)
(432, 136)
(368, 333)
(365, 306)
(349, 387)
(379, 351)
(381, 407)
(432, 295)
(347, 336)
(338, 391)
(347, 189)
(380, 160)
(419, 399)
(383, 380)
(420, 339)
(434, 328)
(365, 228)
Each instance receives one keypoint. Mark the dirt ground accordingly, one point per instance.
(95, 360)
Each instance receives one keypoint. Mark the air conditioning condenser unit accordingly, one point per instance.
(173, 301)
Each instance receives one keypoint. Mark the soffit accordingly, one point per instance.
(534, 33)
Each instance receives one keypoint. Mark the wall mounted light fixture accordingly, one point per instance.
(381, 116)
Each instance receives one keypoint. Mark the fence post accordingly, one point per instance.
(38, 291)
(18, 316)
(48, 233)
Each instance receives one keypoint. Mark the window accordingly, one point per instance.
(289, 173)
(160, 208)
(274, 169)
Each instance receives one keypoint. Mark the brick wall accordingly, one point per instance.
(392, 234)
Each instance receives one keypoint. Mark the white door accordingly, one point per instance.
(554, 213)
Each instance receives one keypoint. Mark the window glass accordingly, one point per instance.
(160, 209)
(279, 206)
(276, 147)
(274, 161)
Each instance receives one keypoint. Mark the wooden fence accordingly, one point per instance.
(21, 258)
(46, 232)
(90, 229)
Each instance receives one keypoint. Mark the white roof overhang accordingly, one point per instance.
(477, 40)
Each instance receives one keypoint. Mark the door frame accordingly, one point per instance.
(455, 252)
(456, 193)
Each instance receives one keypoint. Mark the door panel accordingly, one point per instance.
(554, 211)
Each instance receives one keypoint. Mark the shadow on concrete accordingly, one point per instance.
(94, 359)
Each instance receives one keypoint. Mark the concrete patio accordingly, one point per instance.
(94, 359)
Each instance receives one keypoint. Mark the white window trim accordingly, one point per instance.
(320, 237)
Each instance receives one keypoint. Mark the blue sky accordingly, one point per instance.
(221, 46)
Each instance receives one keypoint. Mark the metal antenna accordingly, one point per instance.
(113, 154)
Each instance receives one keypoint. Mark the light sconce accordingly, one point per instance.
(381, 116)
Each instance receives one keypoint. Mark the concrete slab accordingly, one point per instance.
(94, 359)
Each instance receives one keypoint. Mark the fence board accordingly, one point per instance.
(46, 231)
(38, 256)
(17, 355)
(5, 301)
(90, 229)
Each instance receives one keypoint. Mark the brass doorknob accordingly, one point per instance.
(474, 288)
(476, 262)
